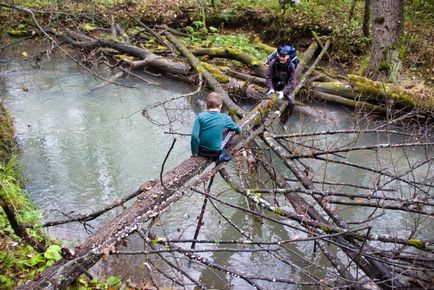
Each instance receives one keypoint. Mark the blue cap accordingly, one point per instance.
(285, 50)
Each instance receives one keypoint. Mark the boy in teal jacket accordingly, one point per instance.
(207, 135)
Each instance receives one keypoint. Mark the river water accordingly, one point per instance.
(82, 148)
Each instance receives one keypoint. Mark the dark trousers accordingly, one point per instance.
(278, 84)
(209, 153)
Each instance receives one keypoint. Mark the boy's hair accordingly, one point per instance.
(213, 100)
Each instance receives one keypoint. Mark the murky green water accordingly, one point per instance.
(83, 148)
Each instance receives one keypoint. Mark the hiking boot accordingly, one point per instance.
(224, 157)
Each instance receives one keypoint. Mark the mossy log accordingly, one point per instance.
(360, 88)
(390, 92)
(348, 102)
(216, 72)
(265, 47)
(259, 69)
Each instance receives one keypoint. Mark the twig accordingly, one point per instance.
(164, 162)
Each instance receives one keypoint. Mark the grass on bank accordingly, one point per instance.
(20, 261)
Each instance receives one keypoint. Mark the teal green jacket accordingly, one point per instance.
(208, 131)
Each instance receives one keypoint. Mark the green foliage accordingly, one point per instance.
(114, 281)
(7, 134)
(14, 196)
(52, 254)
(19, 259)
(239, 41)
(348, 41)
(384, 66)
(88, 27)
(83, 282)
(6, 282)
(19, 32)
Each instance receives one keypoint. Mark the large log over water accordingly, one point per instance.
(150, 203)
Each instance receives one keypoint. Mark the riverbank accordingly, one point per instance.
(20, 261)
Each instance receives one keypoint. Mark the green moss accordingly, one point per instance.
(233, 51)
(18, 32)
(222, 78)
(7, 134)
(363, 64)
(278, 210)
(254, 192)
(200, 69)
(218, 74)
(417, 244)
(402, 51)
(232, 112)
(384, 66)
(384, 90)
(326, 229)
(88, 27)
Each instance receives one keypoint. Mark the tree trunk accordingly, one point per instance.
(387, 27)
(351, 14)
(366, 18)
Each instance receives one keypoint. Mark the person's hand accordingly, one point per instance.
(270, 92)
(280, 95)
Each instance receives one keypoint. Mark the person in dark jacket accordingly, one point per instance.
(208, 128)
(280, 76)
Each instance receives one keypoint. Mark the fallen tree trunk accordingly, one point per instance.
(149, 58)
(259, 69)
(362, 89)
(347, 102)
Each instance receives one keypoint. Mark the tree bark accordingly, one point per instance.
(366, 18)
(387, 28)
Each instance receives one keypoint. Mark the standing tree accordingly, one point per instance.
(366, 18)
(387, 27)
